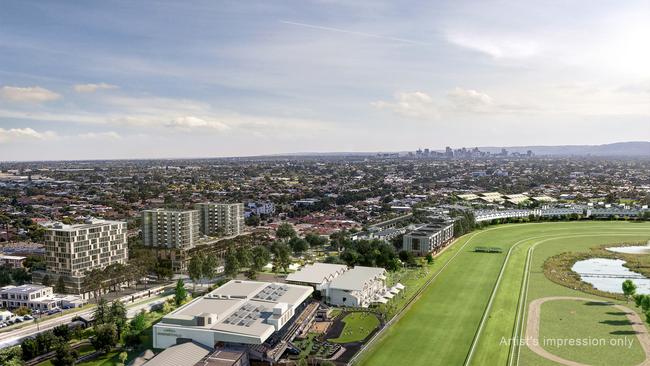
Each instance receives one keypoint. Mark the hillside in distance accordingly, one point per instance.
(630, 149)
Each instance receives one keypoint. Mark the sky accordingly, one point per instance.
(172, 79)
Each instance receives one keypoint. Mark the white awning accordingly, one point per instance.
(394, 290)
(388, 295)
(399, 286)
(380, 300)
(382, 277)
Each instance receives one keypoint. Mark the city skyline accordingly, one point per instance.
(159, 80)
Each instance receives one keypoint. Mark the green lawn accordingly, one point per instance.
(561, 320)
(357, 327)
(441, 326)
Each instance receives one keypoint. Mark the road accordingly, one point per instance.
(14, 337)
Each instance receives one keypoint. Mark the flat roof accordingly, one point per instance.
(23, 288)
(184, 354)
(316, 273)
(89, 224)
(356, 278)
(240, 307)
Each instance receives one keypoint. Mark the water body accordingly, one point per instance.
(591, 270)
(639, 249)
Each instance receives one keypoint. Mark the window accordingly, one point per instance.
(415, 244)
(345, 298)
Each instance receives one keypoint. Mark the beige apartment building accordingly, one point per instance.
(73, 250)
(177, 229)
(221, 219)
(172, 233)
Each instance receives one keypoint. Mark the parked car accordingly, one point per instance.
(27, 317)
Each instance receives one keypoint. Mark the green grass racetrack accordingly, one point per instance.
(463, 317)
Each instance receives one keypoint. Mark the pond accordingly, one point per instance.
(609, 274)
(638, 249)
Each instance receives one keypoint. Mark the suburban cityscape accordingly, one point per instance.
(324, 183)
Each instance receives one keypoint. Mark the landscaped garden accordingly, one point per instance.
(358, 326)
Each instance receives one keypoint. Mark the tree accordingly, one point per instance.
(629, 289)
(281, 256)
(47, 281)
(93, 282)
(62, 332)
(22, 311)
(231, 265)
(298, 245)
(46, 341)
(105, 337)
(163, 269)
(138, 323)
(102, 312)
(285, 231)
(638, 299)
(60, 286)
(195, 269)
(407, 258)
(118, 315)
(20, 276)
(209, 266)
(29, 348)
(429, 258)
(260, 257)
(179, 292)
(244, 257)
(64, 356)
(253, 220)
(315, 240)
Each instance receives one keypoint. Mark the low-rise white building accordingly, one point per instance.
(359, 286)
(239, 313)
(317, 275)
(36, 297)
(13, 261)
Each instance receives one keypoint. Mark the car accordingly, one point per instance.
(19, 320)
(27, 317)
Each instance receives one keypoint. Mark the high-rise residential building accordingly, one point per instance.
(171, 229)
(219, 219)
(73, 250)
(172, 233)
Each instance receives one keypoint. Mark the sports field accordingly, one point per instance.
(478, 301)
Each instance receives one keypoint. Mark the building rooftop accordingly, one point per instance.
(246, 308)
(23, 288)
(184, 354)
(355, 278)
(86, 225)
(316, 273)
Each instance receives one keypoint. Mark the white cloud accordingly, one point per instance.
(20, 134)
(500, 46)
(110, 135)
(457, 101)
(33, 94)
(411, 104)
(469, 100)
(192, 123)
(91, 88)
